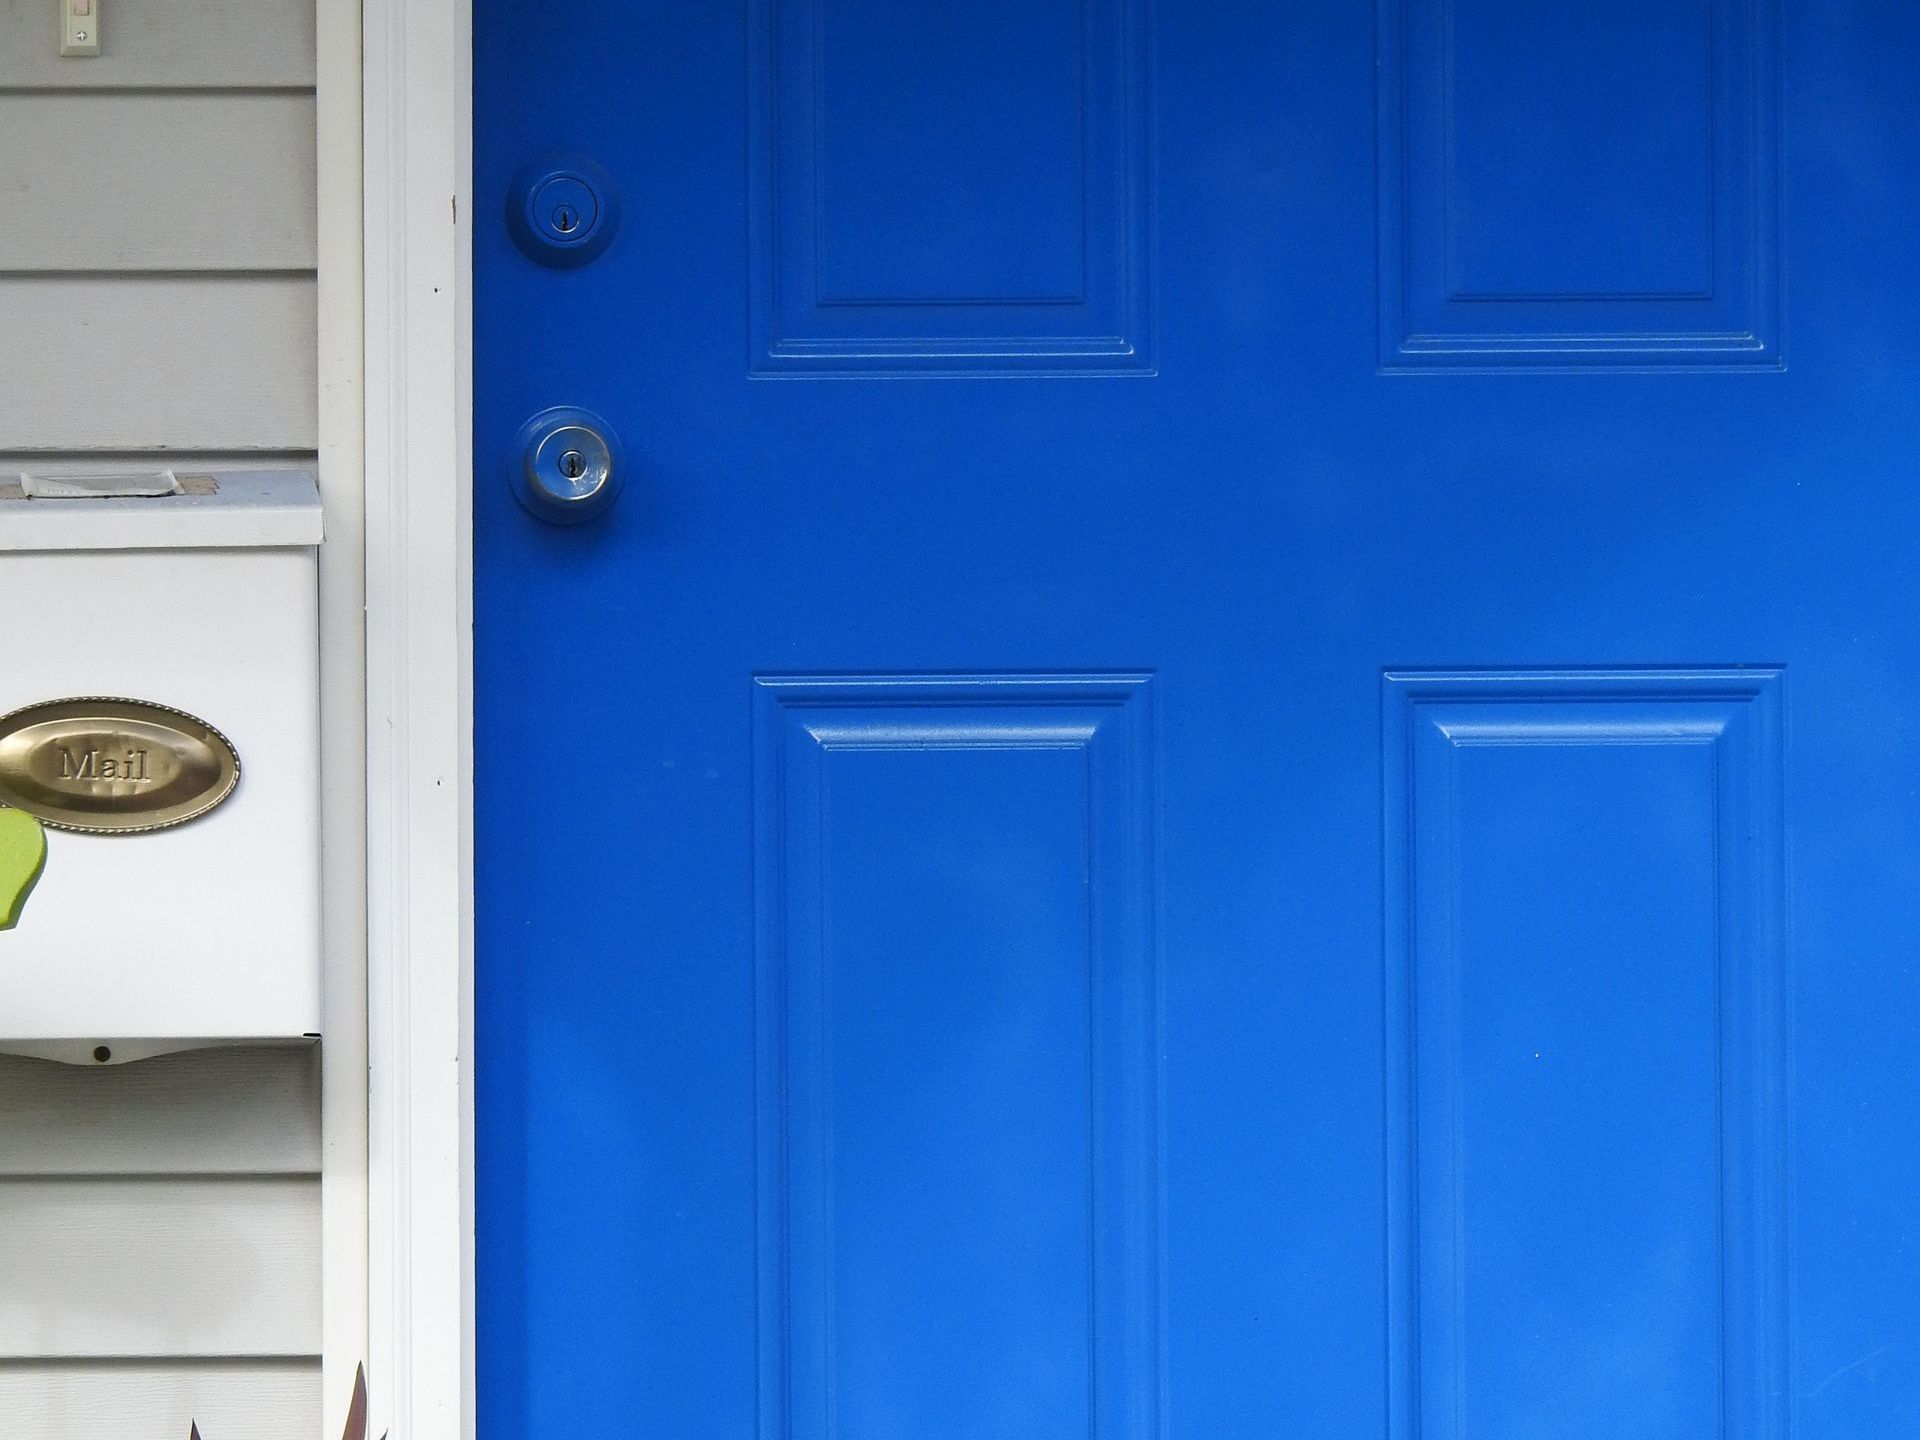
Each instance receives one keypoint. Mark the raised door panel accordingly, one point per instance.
(1574, 186)
(1586, 1055)
(950, 189)
(957, 1070)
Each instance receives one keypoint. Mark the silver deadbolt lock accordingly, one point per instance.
(566, 465)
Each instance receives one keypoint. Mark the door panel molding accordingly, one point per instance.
(864, 127)
(1021, 809)
(1570, 1139)
(1638, 226)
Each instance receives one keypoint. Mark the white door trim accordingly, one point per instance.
(341, 313)
(418, 142)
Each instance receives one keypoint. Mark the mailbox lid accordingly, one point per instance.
(220, 509)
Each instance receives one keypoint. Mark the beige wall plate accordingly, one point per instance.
(79, 28)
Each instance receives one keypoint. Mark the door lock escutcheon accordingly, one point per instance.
(566, 465)
(562, 211)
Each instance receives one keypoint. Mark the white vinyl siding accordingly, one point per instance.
(262, 1401)
(165, 45)
(157, 230)
(109, 1266)
(245, 203)
(159, 1231)
(159, 362)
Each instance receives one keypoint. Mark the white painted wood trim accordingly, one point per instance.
(343, 710)
(418, 202)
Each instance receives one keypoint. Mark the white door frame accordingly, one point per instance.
(417, 190)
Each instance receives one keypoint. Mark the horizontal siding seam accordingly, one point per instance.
(304, 1175)
(134, 275)
(268, 454)
(252, 1360)
(217, 92)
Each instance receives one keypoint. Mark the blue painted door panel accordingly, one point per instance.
(1241, 760)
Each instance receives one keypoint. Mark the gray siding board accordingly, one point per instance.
(233, 1112)
(171, 44)
(159, 1243)
(185, 461)
(175, 182)
(158, 363)
(116, 1268)
(145, 1400)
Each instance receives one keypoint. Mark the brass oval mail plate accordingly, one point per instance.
(113, 767)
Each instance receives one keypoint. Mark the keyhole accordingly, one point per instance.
(573, 465)
(566, 219)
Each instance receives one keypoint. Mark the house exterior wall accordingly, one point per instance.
(157, 232)
(161, 1222)
(160, 1238)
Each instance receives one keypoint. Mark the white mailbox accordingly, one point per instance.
(203, 602)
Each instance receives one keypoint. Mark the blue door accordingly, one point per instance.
(1198, 719)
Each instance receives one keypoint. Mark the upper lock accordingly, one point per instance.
(562, 211)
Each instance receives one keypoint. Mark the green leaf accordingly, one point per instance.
(23, 855)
